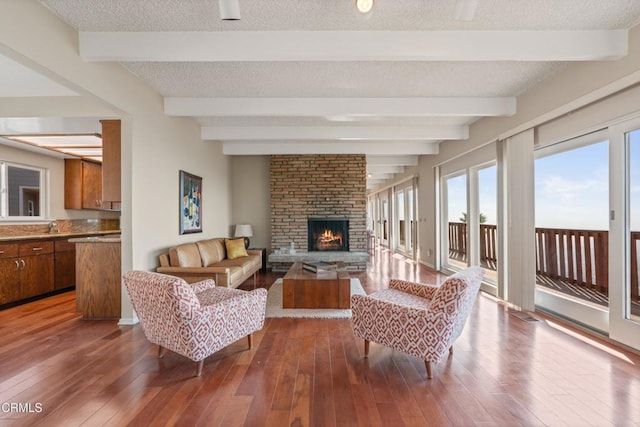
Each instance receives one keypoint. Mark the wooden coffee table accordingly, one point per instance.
(304, 289)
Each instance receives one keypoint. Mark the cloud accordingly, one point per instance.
(564, 189)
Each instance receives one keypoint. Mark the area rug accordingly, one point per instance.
(274, 305)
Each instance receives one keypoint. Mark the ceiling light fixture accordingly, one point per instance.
(79, 145)
(466, 10)
(229, 10)
(364, 6)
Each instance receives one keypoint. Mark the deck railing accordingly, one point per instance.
(576, 256)
(488, 241)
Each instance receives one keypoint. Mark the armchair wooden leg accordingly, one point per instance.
(249, 340)
(451, 349)
(427, 365)
(160, 352)
(255, 276)
(366, 348)
(199, 368)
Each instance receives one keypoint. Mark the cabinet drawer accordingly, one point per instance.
(64, 245)
(8, 250)
(36, 248)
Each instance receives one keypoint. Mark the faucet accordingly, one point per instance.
(52, 227)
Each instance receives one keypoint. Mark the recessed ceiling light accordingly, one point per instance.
(79, 145)
(364, 6)
(54, 141)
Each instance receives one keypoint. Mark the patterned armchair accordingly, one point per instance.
(193, 320)
(417, 319)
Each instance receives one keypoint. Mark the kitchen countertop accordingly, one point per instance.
(97, 239)
(74, 235)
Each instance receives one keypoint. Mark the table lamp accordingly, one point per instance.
(246, 231)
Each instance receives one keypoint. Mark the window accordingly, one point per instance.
(22, 191)
(455, 194)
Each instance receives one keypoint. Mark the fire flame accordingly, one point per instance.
(327, 236)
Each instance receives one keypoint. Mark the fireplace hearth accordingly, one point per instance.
(328, 234)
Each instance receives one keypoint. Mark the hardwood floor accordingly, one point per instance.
(64, 371)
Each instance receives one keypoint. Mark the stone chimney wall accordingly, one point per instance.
(327, 186)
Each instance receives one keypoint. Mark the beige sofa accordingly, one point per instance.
(207, 259)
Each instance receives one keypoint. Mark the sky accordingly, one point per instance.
(571, 189)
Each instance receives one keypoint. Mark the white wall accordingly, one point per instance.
(250, 197)
(154, 147)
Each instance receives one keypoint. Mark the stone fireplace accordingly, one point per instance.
(318, 186)
(328, 234)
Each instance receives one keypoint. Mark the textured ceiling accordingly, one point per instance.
(342, 79)
(306, 79)
(389, 15)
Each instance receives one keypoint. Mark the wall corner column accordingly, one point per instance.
(517, 218)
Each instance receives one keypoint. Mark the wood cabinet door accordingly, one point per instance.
(36, 275)
(111, 160)
(65, 270)
(91, 185)
(9, 280)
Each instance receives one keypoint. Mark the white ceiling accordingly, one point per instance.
(315, 76)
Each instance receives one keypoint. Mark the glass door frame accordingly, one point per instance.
(473, 221)
(444, 216)
(621, 327)
(385, 214)
(409, 191)
(594, 317)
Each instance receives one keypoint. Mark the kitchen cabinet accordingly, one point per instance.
(36, 268)
(91, 185)
(83, 185)
(26, 270)
(98, 275)
(64, 264)
(111, 143)
(9, 273)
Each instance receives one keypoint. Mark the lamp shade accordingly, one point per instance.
(244, 230)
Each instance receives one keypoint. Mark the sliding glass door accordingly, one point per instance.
(454, 196)
(624, 217)
(572, 229)
(384, 219)
(487, 227)
(405, 224)
(632, 294)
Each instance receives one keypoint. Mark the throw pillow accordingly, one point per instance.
(235, 248)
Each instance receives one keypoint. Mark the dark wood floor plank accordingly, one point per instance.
(262, 378)
(286, 383)
(221, 398)
(345, 409)
(324, 400)
(302, 404)
(365, 406)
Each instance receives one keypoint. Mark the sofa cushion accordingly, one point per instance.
(235, 248)
(247, 264)
(186, 255)
(211, 251)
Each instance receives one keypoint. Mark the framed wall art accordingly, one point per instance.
(190, 203)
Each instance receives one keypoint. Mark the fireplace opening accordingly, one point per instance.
(328, 234)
